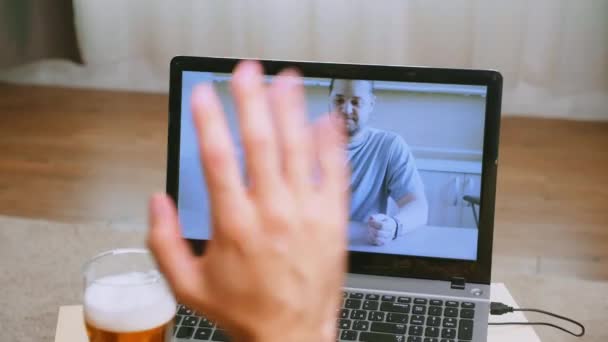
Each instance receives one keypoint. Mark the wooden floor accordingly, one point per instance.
(85, 155)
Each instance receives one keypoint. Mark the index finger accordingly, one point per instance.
(222, 175)
(257, 129)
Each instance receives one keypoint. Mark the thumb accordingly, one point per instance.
(172, 253)
(377, 218)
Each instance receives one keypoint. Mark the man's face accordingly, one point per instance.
(353, 101)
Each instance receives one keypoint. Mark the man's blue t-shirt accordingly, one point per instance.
(381, 166)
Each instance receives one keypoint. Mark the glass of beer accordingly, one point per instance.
(126, 298)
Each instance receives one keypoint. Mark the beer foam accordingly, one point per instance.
(128, 302)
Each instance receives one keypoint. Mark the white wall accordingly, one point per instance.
(553, 53)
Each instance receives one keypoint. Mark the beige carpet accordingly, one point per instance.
(41, 270)
(41, 263)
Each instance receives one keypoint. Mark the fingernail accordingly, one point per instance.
(291, 78)
(201, 94)
(249, 70)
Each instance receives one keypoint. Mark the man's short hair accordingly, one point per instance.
(371, 85)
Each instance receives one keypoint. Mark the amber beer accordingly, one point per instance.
(129, 306)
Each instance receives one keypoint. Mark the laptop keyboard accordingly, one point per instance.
(370, 317)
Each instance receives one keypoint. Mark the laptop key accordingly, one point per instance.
(375, 316)
(431, 332)
(361, 325)
(358, 314)
(449, 323)
(417, 320)
(432, 321)
(388, 298)
(185, 311)
(202, 334)
(396, 318)
(448, 333)
(414, 339)
(467, 313)
(392, 307)
(178, 319)
(388, 328)
(344, 323)
(205, 323)
(420, 301)
(436, 302)
(220, 335)
(435, 311)
(451, 303)
(450, 312)
(404, 300)
(348, 335)
(415, 330)
(430, 339)
(446, 340)
(379, 337)
(352, 304)
(344, 313)
(468, 305)
(419, 310)
(185, 332)
(372, 296)
(190, 321)
(465, 329)
(356, 295)
(370, 305)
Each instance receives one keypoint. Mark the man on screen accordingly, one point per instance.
(382, 166)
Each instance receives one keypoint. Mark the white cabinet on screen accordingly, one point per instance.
(445, 192)
(471, 186)
(442, 195)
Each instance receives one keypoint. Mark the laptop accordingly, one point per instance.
(423, 150)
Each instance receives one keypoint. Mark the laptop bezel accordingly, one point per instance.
(477, 271)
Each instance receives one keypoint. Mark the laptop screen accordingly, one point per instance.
(415, 152)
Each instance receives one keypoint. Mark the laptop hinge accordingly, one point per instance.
(457, 283)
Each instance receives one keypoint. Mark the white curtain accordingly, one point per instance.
(553, 54)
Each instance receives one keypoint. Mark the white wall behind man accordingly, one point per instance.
(427, 121)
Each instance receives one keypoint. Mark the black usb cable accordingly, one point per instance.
(501, 309)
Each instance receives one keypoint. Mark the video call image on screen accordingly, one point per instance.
(414, 149)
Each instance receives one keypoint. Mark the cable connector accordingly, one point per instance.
(500, 308)
(497, 308)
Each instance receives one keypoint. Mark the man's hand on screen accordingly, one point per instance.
(380, 229)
